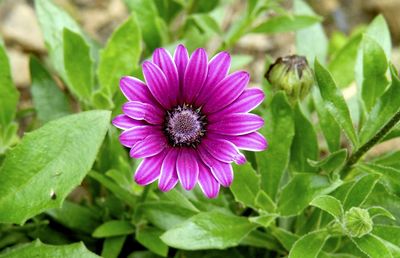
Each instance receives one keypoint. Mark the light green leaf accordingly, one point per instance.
(113, 228)
(49, 101)
(206, 23)
(309, 246)
(377, 211)
(38, 249)
(335, 102)
(332, 162)
(264, 202)
(112, 246)
(392, 174)
(246, 185)
(120, 56)
(286, 23)
(372, 246)
(149, 237)
(176, 196)
(360, 191)
(272, 163)
(264, 220)
(48, 163)
(79, 71)
(310, 186)
(390, 233)
(240, 61)
(208, 230)
(329, 204)
(286, 238)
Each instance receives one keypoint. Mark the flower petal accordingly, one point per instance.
(163, 59)
(236, 124)
(149, 146)
(251, 142)
(247, 101)
(208, 184)
(158, 85)
(129, 137)
(135, 90)
(181, 59)
(223, 150)
(218, 68)
(187, 168)
(124, 122)
(168, 176)
(195, 75)
(143, 111)
(226, 91)
(149, 169)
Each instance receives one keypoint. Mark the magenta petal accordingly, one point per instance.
(223, 150)
(218, 68)
(181, 59)
(195, 75)
(163, 59)
(130, 137)
(124, 122)
(149, 169)
(135, 90)
(187, 168)
(149, 146)
(168, 177)
(236, 124)
(208, 184)
(158, 85)
(251, 142)
(142, 111)
(226, 91)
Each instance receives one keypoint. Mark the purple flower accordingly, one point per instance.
(189, 120)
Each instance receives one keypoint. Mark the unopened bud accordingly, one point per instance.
(357, 222)
(291, 74)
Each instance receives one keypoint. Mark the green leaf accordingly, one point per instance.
(286, 23)
(240, 61)
(49, 101)
(390, 233)
(149, 237)
(385, 108)
(264, 202)
(208, 230)
(372, 246)
(332, 162)
(176, 196)
(79, 71)
(112, 246)
(309, 246)
(374, 72)
(8, 92)
(286, 238)
(360, 191)
(335, 102)
(38, 249)
(304, 144)
(310, 186)
(120, 57)
(329, 204)
(280, 131)
(264, 220)
(206, 23)
(377, 211)
(113, 228)
(48, 164)
(246, 185)
(392, 174)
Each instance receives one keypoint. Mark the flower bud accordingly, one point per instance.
(291, 74)
(357, 222)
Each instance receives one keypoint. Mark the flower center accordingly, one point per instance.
(184, 126)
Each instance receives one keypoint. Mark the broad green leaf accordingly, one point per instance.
(360, 191)
(176, 196)
(377, 211)
(264, 202)
(272, 163)
(335, 102)
(312, 41)
(120, 56)
(332, 162)
(48, 164)
(79, 71)
(375, 66)
(385, 108)
(49, 101)
(264, 220)
(143, 254)
(8, 92)
(286, 238)
(309, 246)
(392, 174)
(304, 144)
(76, 217)
(286, 23)
(112, 246)
(257, 238)
(206, 23)
(390, 159)
(246, 185)
(53, 20)
(149, 237)
(390, 233)
(372, 246)
(208, 230)
(113, 228)
(329, 204)
(38, 249)
(310, 186)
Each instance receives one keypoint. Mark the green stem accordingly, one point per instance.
(368, 145)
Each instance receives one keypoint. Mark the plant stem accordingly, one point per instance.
(368, 145)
